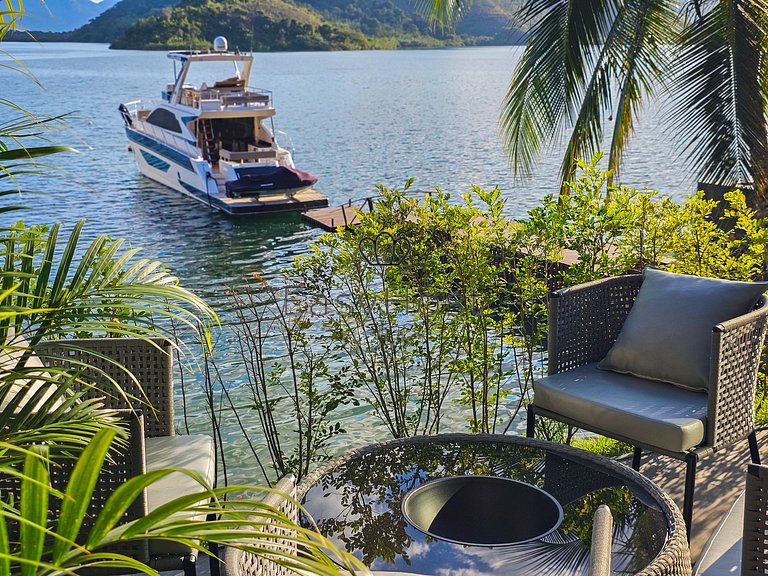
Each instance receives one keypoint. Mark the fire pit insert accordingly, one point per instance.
(482, 510)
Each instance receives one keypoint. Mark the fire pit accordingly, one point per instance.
(482, 510)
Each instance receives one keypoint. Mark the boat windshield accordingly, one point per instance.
(215, 74)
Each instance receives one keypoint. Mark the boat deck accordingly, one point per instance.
(301, 201)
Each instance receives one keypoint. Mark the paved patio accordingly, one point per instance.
(719, 480)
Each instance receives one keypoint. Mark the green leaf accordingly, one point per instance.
(34, 508)
(80, 489)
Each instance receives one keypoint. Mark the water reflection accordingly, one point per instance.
(358, 506)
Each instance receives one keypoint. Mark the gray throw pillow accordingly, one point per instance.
(668, 333)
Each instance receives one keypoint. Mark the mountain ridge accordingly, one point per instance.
(283, 25)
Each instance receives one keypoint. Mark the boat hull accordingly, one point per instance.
(192, 177)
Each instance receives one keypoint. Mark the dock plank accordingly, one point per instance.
(329, 219)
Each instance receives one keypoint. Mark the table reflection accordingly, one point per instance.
(356, 503)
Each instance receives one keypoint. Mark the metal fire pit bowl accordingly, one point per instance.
(482, 510)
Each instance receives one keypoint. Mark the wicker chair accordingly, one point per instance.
(600, 549)
(754, 549)
(584, 322)
(150, 396)
(241, 563)
(738, 544)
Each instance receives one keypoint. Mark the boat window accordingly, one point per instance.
(164, 119)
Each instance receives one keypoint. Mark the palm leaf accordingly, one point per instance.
(243, 523)
(34, 508)
(636, 54)
(552, 75)
(720, 92)
(79, 491)
(444, 13)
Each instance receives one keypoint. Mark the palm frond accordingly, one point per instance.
(641, 60)
(551, 78)
(720, 92)
(444, 13)
(51, 547)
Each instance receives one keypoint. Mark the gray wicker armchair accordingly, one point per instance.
(584, 323)
(241, 563)
(150, 396)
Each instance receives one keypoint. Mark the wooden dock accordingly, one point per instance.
(331, 218)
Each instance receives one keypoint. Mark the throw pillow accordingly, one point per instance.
(667, 335)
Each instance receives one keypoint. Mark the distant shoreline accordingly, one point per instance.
(62, 37)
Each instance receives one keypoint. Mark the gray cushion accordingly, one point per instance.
(652, 413)
(668, 333)
(194, 452)
(721, 555)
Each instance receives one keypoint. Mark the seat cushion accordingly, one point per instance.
(653, 413)
(193, 452)
(38, 381)
(667, 335)
(721, 555)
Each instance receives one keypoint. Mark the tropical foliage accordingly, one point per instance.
(431, 314)
(589, 67)
(50, 289)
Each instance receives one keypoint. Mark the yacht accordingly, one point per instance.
(215, 140)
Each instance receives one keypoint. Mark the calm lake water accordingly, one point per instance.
(356, 119)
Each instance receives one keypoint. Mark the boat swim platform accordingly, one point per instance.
(301, 201)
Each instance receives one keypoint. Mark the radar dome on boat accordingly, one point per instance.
(219, 44)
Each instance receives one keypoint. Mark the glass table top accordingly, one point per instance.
(356, 502)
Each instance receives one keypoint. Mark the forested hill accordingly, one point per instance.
(274, 25)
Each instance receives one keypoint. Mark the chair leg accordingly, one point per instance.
(636, 458)
(530, 422)
(690, 483)
(189, 564)
(753, 450)
(215, 560)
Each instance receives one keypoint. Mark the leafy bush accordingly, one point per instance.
(437, 311)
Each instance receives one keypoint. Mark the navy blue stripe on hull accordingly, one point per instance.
(154, 161)
(159, 148)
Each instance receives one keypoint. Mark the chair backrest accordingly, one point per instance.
(600, 550)
(122, 463)
(149, 361)
(242, 563)
(754, 548)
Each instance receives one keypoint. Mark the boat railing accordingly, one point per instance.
(175, 141)
(138, 109)
(211, 99)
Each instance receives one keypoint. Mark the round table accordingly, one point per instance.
(355, 500)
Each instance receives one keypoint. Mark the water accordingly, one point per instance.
(356, 119)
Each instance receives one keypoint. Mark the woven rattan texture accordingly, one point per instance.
(736, 351)
(673, 559)
(149, 362)
(585, 320)
(121, 464)
(241, 563)
(754, 548)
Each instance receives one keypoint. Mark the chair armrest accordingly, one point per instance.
(602, 536)
(243, 563)
(737, 346)
(584, 320)
(143, 369)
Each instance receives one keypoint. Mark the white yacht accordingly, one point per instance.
(215, 140)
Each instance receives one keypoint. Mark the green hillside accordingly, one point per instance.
(281, 25)
(258, 25)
